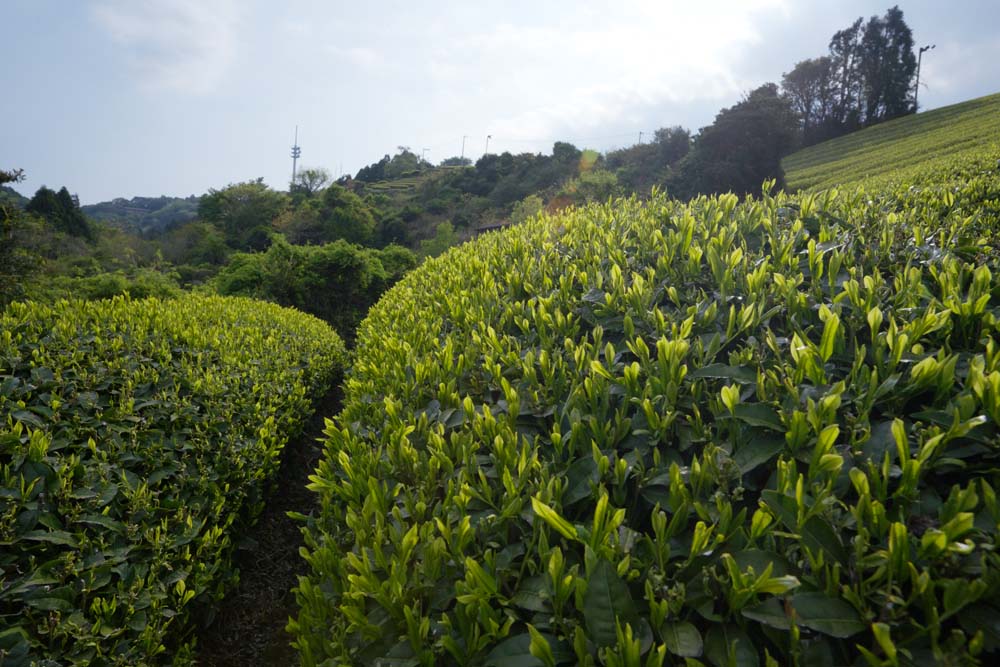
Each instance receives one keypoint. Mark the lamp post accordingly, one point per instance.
(464, 137)
(487, 151)
(916, 92)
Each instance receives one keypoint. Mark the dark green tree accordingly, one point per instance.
(742, 148)
(243, 211)
(809, 89)
(16, 263)
(62, 211)
(887, 67)
(344, 215)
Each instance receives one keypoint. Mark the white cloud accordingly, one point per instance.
(185, 46)
(540, 78)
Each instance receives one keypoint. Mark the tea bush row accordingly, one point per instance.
(136, 441)
(643, 434)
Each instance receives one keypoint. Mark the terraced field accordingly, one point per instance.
(925, 147)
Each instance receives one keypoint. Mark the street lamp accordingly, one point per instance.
(487, 151)
(920, 55)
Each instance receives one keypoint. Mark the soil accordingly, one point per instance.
(249, 625)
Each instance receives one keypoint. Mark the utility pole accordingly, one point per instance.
(296, 153)
(487, 151)
(916, 91)
(464, 137)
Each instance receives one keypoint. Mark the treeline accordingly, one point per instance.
(308, 248)
(866, 78)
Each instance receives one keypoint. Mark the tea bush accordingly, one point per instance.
(136, 441)
(664, 433)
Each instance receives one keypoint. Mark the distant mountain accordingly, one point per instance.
(8, 194)
(145, 215)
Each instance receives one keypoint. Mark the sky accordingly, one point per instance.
(123, 98)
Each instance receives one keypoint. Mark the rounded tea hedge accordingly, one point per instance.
(640, 434)
(137, 442)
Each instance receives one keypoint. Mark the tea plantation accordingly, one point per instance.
(714, 433)
(959, 134)
(136, 441)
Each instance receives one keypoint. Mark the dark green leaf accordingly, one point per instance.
(758, 414)
(729, 641)
(514, 652)
(682, 639)
(579, 476)
(606, 602)
(829, 615)
(816, 534)
(770, 612)
(741, 374)
(758, 451)
(52, 536)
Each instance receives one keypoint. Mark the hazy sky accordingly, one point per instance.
(148, 97)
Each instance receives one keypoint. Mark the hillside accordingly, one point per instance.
(144, 214)
(8, 194)
(895, 149)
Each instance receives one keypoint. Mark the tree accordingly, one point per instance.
(62, 211)
(527, 208)
(809, 89)
(887, 67)
(344, 215)
(742, 148)
(16, 262)
(456, 161)
(845, 63)
(310, 180)
(242, 210)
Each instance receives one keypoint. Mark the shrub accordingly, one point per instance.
(136, 439)
(635, 434)
(337, 282)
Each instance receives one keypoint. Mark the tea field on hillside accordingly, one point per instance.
(714, 433)
(926, 142)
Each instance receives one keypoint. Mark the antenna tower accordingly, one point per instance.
(296, 153)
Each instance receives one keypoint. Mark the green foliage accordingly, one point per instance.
(444, 238)
(138, 283)
(344, 215)
(528, 207)
(595, 185)
(641, 167)
(337, 282)
(136, 440)
(243, 211)
(931, 146)
(60, 210)
(741, 149)
(757, 433)
(17, 262)
(145, 215)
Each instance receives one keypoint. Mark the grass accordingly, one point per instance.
(896, 149)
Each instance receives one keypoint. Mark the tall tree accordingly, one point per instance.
(887, 67)
(61, 210)
(809, 89)
(845, 62)
(742, 148)
(15, 260)
(310, 180)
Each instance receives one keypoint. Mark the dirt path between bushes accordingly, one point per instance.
(249, 626)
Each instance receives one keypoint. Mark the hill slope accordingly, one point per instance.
(891, 150)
